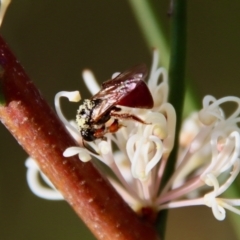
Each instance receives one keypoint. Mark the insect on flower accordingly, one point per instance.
(127, 89)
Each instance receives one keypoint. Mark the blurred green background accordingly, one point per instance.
(55, 40)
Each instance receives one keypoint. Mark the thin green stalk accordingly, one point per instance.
(177, 86)
(154, 35)
(152, 29)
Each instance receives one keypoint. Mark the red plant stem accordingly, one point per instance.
(36, 127)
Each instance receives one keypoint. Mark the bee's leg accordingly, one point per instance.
(100, 132)
(88, 147)
(114, 126)
(127, 116)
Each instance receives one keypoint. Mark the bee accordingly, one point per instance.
(127, 89)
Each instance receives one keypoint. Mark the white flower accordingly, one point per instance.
(142, 149)
(208, 159)
(3, 8)
(33, 178)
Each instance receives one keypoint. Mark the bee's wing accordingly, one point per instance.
(136, 73)
(109, 98)
(127, 89)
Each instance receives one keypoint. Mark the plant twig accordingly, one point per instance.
(36, 127)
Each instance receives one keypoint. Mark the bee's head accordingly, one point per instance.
(88, 135)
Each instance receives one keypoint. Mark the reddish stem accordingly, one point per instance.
(36, 127)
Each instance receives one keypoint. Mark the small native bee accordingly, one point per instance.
(127, 89)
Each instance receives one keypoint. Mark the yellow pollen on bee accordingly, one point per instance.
(81, 122)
